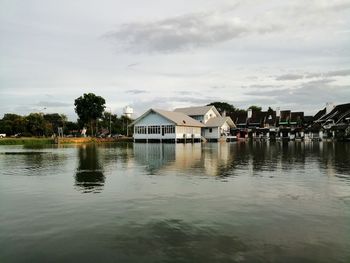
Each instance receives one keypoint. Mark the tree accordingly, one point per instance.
(54, 120)
(89, 108)
(13, 124)
(255, 108)
(106, 118)
(223, 106)
(36, 124)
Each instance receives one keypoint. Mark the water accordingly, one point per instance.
(235, 202)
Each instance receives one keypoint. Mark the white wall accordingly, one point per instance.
(212, 135)
(225, 128)
(154, 119)
(188, 131)
(207, 115)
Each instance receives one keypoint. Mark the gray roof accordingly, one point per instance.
(219, 121)
(178, 118)
(195, 111)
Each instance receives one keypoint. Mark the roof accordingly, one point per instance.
(178, 118)
(196, 111)
(219, 121)
(258, 117)
(338, 113)
(239, 117)
(270, 117)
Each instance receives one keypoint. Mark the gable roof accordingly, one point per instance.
(219, 121)
(196, 111)
(337, 114)
(178, 118)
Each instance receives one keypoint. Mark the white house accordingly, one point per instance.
(161, 125)
(202, 113)
(216, 127)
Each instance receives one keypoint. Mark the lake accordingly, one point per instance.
(229, 202)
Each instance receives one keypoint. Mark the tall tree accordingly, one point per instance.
(223, 106)
(255, 108)
(54, 120)
(89, 108)
(36, 124)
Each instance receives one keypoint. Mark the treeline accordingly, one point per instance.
(93, 116)
(231, 110)
(39, 124)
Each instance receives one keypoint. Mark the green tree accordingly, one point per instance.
(36, 124)
(255, 108)
(89, 108)
(54, 120)
(13, 124)
(223, 106)
(106, 118)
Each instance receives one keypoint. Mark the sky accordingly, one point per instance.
(167, 54)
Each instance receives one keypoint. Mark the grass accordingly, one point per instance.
(26, 141)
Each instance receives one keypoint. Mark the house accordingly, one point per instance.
(334, 122)
(201, 113)
(216, 128)
(160, 125)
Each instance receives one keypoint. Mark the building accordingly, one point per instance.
(201, 113)
(160, 125)
(217, 127)
(333, 121)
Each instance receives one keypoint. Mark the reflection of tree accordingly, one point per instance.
(89, 176)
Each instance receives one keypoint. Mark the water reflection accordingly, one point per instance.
(211, 159)
(89, 176)
(230, 159)
(173, 240)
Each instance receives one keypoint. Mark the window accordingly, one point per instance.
(169, 128)
(140, 129)
(210, 130)
(153, 129)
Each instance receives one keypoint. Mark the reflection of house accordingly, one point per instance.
(212, 160)
(160, 125)
(216, 128)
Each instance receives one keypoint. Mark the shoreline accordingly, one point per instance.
(49, 141)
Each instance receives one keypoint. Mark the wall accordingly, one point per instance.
(150, 120)
(213, 135)
(207, 115)
(225, 128)
(188, 131)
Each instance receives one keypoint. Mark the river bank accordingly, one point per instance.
(45, 141)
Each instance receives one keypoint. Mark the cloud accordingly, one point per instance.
(136, 91)
(53, 104)
(335, 73)
(182, 33)
(309, 95)
(194, 30)
(290, 77)
(325, 75)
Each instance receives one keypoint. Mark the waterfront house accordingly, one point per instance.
(159, 125)
(335, 121)
(201, 113)
(216, 128)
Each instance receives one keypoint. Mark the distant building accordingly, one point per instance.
(161, 125)
(216, 127)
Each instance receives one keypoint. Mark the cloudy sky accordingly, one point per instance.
(167, 54)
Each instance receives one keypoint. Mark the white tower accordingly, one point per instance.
(278, 112)
(128, 111)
